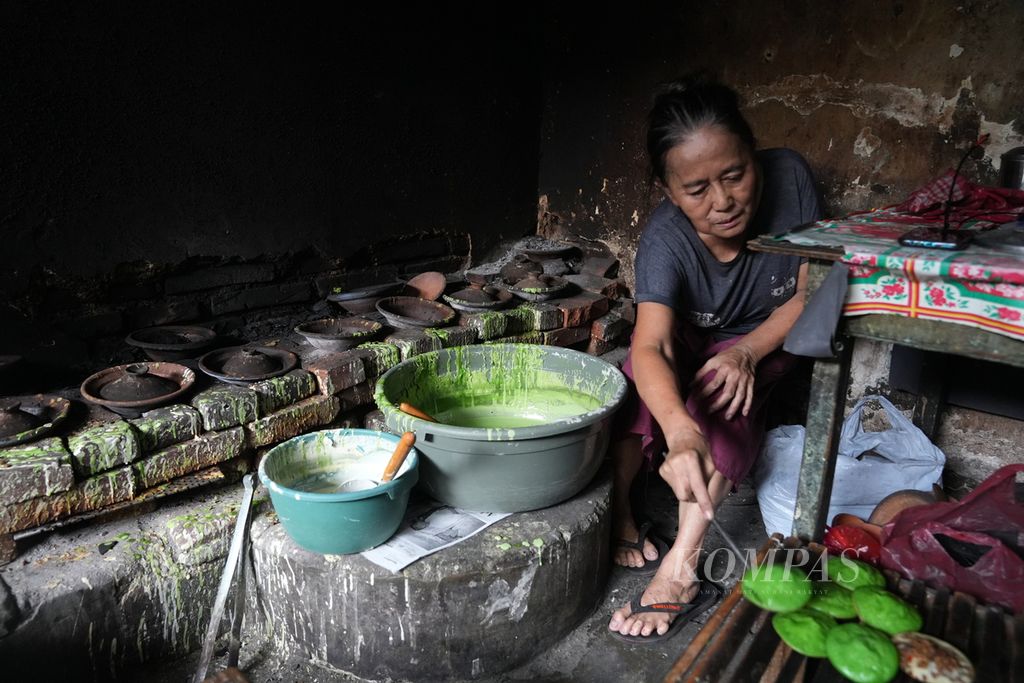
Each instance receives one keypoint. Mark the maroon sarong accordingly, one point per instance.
(734, 443)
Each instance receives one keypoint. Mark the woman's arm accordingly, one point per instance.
(688, 462)
(735, 367)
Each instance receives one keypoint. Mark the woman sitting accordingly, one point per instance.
(711, 319)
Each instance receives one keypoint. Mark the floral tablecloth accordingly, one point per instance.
(980, 286)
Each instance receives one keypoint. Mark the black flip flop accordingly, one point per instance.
(650, 566)
(707, 595)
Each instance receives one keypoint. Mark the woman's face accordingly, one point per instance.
(713, 179)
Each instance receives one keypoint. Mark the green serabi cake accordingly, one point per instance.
(776, 587)
(804, 630)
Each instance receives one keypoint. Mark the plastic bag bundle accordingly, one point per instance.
(870, 466)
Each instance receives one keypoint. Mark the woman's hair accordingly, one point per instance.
(684, 106)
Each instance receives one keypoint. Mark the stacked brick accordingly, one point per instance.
(596, 318)
(227, 296)
(109, 462)
(113, 461)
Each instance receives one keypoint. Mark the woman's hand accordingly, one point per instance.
(688, 467)
(731, 373)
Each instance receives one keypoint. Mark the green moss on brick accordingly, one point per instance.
(103, 447)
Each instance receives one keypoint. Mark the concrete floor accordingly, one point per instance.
(587, 654)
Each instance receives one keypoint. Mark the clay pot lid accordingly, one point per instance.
(338, 334)
(181, 377)
(475, 295)
(476, 299)
(540, 283)
(14, 420)
(249, 363)
(378, 290)
(48, 411)
(246, 364)
(339, 328)
(539, 287)
(545, 250)
(477, 279)
(429, 285)
(136, 383)
(410, 311)
(519, 268)
(896, 502)
(171, 338)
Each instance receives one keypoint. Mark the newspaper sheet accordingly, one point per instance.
(428, 527)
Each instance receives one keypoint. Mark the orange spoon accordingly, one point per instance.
(415, 412)
(398, 457)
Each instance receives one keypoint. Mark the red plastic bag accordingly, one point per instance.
(844, 539)
(975, 545)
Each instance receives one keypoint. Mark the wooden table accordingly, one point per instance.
(831, 376)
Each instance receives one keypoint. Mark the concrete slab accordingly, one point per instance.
(587, 654)
(128, 599)
(472, 610)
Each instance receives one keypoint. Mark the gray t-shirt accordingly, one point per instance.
(674, 268)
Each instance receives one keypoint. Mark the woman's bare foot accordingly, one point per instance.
(625, 529)
(673, 582)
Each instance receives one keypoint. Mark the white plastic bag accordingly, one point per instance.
(870, 466)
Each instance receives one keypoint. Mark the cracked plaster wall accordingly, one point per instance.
(879, 96)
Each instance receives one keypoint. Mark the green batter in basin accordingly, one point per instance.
(519, 426)
(305, 476)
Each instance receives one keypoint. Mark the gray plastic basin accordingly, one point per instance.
(547, 411)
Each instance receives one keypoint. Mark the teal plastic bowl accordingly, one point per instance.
(302, 475)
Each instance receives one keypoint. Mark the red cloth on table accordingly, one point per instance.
(996, 204)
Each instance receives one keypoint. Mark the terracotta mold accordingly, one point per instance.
(897, 502)
(134, 388)
(549, 251)
(244, 365)
(476, 299)
(478, 279)
(364, 299)
(338, 334)
(429, 285)
(518, 268)
(409, 311)
(44, 413)
(172, 342)
(539, 287)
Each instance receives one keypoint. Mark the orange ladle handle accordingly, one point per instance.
(409, 409)
(405, 444)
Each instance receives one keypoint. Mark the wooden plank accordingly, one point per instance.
(988, 650)
(959, 620)
(824, 418)
(1015, 641)
(758, 658)
(715, 626)
(826, 673)
(784, 661)
(797, 669)
(721, 652)
(933, 335)
(770, 245)
(935, 612)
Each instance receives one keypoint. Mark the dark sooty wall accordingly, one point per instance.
(150, 133)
